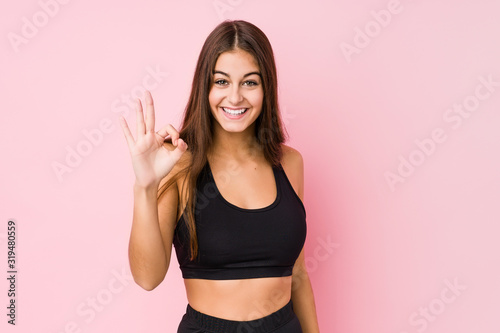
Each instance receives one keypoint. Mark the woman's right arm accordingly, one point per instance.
(153, 219)
(152, 234)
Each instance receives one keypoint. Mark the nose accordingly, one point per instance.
(235, 97)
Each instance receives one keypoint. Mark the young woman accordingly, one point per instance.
(226, 193)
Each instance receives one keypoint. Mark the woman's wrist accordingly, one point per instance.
(145, 188)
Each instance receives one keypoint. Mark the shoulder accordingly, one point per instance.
(293, 165)
(291, 156)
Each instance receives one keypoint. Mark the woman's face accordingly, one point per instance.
(236, 95)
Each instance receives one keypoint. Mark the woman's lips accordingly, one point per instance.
(234, 113)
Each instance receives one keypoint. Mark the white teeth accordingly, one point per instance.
(234, 112)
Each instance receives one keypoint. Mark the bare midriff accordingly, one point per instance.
(240, 300)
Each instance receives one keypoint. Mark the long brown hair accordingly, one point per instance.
(197, 130)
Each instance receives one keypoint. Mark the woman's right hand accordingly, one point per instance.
(150, 159)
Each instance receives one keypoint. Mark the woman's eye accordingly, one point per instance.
(222, 82)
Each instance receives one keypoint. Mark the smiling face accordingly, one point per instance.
(236, 94)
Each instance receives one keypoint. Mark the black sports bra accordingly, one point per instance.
(238, 243)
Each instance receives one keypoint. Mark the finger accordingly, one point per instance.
(127, 133)
(140, 120)
(181, 145)
(180, 149)
(169, 129)
(150, 112)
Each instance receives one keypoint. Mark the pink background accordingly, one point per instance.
(420, 254)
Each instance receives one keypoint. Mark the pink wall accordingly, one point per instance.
(394, 106)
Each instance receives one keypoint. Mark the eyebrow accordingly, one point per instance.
(247, 74)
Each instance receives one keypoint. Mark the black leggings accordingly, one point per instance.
(282, 321)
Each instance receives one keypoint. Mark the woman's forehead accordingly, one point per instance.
(236, 62)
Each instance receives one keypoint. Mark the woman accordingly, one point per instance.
(227, 193)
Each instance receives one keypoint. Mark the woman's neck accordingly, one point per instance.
(235, 145)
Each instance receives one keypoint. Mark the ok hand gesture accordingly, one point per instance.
(150, 159)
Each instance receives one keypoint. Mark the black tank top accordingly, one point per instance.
(238, 243)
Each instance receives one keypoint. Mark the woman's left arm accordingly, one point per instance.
(302, 293)
(303, 297)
